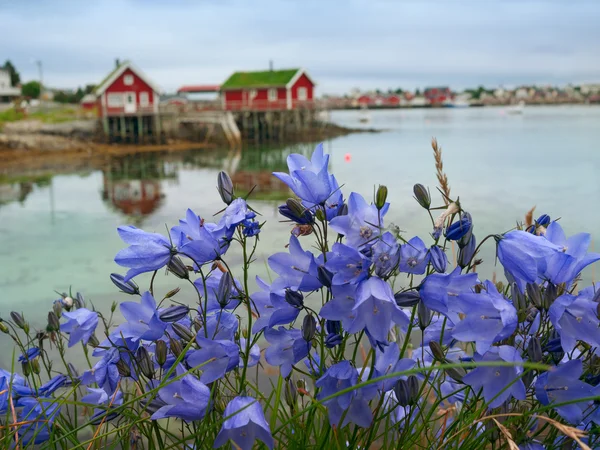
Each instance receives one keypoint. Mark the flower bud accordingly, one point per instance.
(224, 290)
(402, 392)
(175, 346)
(407, 299)
(18, 319)
(413, 388)
(436, 351)
(534, 293)
(543, 220)
(422, 195)
(197, 324)
(182, 332)
(35, 366)
(128, 287)
(57, 308)
(4, 328)
(456, 373)
(438, 258)
(142, 357)
(291, 393)
(464, 241)
(160, 352)
(178, 268)
(173, 292)
(53, 322)
(173, 313)
(294, 298)
(79, 300)
(550, 294)
(113, 307)
(93, 341)
(343, 210)
(467, 252)
(424, 315)
(309, 327)
(381, 196)
(294, 211)
(225, 187)
(320, 215)
(123, 368)
(324, 276)
(26, 367)
(534, 349)
(458, 229)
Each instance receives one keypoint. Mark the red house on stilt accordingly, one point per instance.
(127, 103)
(268, 90)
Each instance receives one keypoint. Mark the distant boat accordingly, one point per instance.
(517, 109)
(365, 117)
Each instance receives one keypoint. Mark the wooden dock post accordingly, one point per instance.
(122, 130)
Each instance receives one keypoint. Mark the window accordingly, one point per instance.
(253, 94)
(302, 94)
(128, 80)
(114, 100)
(272, 94)
(144, 99)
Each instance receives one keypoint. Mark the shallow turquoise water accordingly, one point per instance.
(64, 233)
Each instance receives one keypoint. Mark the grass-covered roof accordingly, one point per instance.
(259, 79)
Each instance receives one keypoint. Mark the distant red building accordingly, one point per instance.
(268, 90)
(127, 103)
(88, 102)
(437, 96)
(392, 100)
(366, 100)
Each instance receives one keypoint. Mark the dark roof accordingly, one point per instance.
(259, 79)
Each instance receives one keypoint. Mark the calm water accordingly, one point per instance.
(60, 231)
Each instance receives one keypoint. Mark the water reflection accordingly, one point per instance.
(132, 184)
(18, 189)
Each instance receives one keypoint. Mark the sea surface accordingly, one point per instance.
(58, 229)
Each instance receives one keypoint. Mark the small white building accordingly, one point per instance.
(7, 91)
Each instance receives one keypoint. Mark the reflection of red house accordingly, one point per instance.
(134, 197)
(438, 95)
(268, 90)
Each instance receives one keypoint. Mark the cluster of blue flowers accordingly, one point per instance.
(363, 283)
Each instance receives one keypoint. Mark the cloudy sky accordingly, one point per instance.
(343, 44)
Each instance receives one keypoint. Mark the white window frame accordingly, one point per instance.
(272, 94)
(115, 100)
(302, 94)
(128, 80)
(252, 94)
(144, 99)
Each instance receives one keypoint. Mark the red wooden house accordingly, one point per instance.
(437, 96)
(127, 103)
(268, 90)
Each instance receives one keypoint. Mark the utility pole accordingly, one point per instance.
(39, 64)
